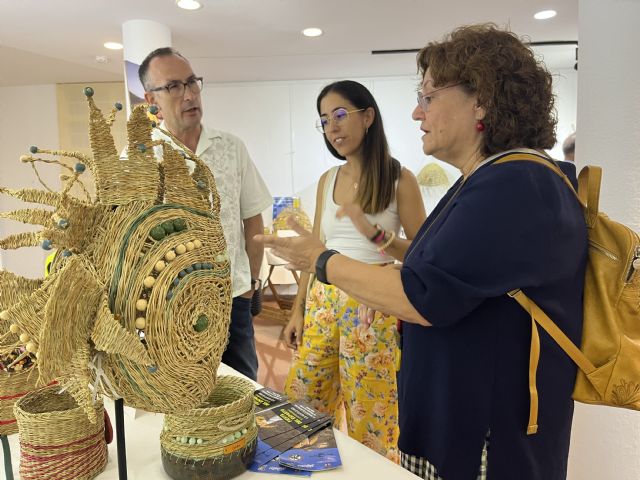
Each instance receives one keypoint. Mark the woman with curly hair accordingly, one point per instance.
(464, 402)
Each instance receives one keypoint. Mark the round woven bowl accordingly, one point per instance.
(57, 441)
(216, 441)
(14, 386)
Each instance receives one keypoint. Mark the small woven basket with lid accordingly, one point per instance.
(216, 441)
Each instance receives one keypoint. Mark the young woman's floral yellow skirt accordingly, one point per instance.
(342, 362)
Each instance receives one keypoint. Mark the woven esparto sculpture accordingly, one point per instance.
(18, 374)
(137, 303)
(215, 441)
(57, 440)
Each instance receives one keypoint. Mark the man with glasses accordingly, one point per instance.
(171, 86)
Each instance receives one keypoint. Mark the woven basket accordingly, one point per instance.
(57, 441)
(215, 441)
(13, 386)
(300, 216)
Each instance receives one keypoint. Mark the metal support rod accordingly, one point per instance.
(122, 449)
(7, 457)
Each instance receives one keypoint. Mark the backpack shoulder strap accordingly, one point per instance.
(539, 317)
(553, 330)
(588, 195)
(540, 160)
(589, 192)
(589, 179)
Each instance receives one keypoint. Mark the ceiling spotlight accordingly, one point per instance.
(113, 45)
(545, 14)
(312, 32)
(189, 4)
(102, 59)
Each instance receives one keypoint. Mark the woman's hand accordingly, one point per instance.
(293, 331)
(301, 252)
(358, 218)
(366, 315)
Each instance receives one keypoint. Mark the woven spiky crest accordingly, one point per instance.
(135, 179)
(140, 283)
(14, 288)
(34, 217)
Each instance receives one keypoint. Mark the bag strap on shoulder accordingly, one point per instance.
(539, 317)
(324, 186)
(589, 192)
(588, 195)
(589, 179)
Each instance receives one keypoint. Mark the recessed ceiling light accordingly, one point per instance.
(113, 45)
(545, 14)
(312, 32)
(189, 4)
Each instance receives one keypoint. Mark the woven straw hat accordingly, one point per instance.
(280, 222)
(432, 175)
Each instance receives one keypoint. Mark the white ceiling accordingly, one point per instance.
(56, 41)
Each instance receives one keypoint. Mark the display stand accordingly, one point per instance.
(7, 457)
(122, 449)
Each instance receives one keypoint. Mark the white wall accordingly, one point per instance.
(565, 87)
(275, 119)
(29, 117)
(606, 441)
(277, 122)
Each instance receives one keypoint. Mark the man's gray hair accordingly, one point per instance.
(143, 71)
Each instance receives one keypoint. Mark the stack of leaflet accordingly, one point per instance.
(293, 438)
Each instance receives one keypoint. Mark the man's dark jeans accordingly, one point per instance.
(241, 350)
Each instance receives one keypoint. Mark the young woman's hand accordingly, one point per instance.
(293, 331)
(358, 218)
(366, 315)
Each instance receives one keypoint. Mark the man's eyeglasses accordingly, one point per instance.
(177, 89)
(337, 116)
(425, 100)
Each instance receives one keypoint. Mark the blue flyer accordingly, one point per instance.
(316, 453)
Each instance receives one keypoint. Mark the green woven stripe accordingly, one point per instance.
(134, 225)
(197, 273)
(118, 270)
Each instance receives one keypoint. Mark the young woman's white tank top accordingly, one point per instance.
(341, 235)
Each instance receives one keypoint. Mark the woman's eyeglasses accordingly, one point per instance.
(339, 115)
(425, 100)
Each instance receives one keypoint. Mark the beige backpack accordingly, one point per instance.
(609, 357)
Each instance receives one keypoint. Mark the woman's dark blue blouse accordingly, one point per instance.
(511, 225)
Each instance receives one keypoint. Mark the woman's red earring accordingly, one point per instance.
(480, 126)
